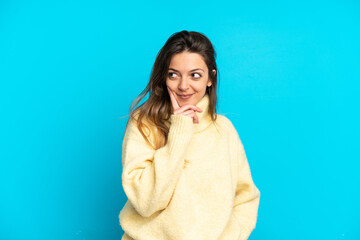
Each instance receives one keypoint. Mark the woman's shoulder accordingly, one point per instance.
(133, 123)
(139, 128)
(225, 122)
(229, 127)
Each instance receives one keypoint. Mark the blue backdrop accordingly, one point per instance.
(289, 82)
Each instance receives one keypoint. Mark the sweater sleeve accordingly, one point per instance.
(149, 176)
(247, 197)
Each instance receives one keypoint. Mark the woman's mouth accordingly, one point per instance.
(187, 96)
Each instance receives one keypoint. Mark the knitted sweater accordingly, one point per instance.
(196, 187)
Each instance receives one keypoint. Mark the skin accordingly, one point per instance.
(182, 79)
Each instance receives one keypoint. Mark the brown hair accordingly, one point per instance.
(156, 110)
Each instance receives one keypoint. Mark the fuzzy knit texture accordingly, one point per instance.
(196, 187)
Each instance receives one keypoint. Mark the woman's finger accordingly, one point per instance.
(194, 117)
(192, 114)
(173, 100)
(185, 113)
(187, 107)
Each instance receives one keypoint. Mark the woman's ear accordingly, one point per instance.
(210, 82)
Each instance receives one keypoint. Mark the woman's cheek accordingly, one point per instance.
(201, 87)
(171, 84)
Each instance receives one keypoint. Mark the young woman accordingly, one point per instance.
(185, 171)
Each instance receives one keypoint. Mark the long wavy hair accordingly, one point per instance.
(156, 110)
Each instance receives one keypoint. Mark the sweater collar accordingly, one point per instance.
(204, 116)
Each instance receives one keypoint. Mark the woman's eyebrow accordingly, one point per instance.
(189, 71)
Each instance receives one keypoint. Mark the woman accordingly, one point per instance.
(185, 171)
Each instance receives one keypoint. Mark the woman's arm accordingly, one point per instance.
(246, 202)
(149, 176)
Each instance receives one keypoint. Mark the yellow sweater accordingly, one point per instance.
(197, 187)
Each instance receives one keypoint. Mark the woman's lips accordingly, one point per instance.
(185, 96)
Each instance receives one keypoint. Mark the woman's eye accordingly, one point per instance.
(196, 75)
(172, 75)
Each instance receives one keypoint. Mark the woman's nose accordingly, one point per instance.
(183, 84)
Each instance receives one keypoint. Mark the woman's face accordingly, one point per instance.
(188, 77)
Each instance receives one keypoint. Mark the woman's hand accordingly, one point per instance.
(187, 110)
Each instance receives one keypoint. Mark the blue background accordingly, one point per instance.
(289, 82)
